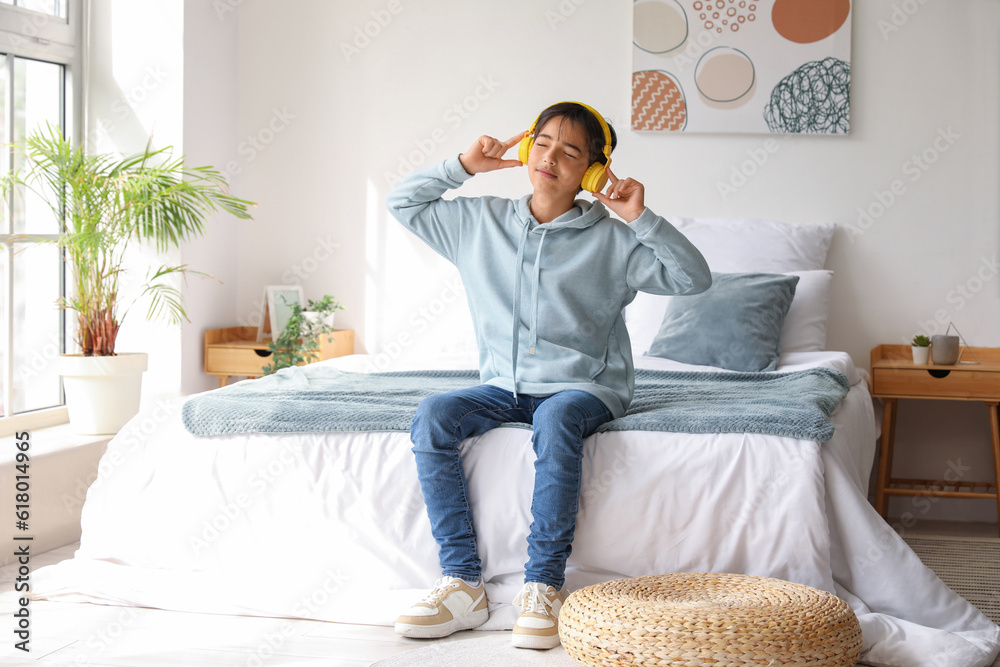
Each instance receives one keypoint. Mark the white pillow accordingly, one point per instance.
(749, 245)
(804, 329)
(642, 319)
(805, 324)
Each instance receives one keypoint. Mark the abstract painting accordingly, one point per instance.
(773, 66)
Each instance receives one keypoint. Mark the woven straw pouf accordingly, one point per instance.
(708, 619)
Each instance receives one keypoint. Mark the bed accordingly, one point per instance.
(328, 521)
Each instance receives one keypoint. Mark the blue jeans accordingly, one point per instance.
(560, 423)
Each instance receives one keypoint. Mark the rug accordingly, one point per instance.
(970, 567)
(491, 651)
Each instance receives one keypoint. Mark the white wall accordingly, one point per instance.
(326, 111)
(176, 85)
(135, 90)
(211, 137)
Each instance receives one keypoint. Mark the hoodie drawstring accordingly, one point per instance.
(533, 327)
(516, 325)
(517, 306)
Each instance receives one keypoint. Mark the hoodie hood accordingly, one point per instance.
(583, 214)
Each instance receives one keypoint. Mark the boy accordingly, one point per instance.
(547, 277)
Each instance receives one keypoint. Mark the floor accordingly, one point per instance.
(98, 635)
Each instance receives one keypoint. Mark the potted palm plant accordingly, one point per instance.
(106, 204)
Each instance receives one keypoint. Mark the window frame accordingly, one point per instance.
(25, 33)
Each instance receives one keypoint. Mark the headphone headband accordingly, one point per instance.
(600, 119)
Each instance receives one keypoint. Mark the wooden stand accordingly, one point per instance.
(236, 351)
(895, 376)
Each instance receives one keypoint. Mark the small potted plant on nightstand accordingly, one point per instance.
(298, 343)
(319, 315)
(921, 349)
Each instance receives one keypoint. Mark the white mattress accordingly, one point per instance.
(332, 526)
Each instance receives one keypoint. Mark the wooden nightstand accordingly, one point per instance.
(895, 376)
(235, 351)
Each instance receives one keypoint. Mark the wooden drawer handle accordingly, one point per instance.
(267, 353)
(938, 373)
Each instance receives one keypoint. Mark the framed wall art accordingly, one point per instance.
(773, 66)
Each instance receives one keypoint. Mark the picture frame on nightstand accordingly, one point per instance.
(278, 300)
(963, 347)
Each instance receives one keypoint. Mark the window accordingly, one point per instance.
(39, 70)
(55, 8)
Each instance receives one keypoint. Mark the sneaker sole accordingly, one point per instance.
(534, 641)
(465, 622)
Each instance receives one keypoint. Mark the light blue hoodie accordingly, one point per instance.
(546, 299)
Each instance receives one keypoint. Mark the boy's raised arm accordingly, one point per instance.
(416, 200)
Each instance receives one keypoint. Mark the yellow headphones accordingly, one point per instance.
(596, 176)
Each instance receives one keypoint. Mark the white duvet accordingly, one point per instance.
(332, 526)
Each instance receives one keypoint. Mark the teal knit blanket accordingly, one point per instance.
(322, 399)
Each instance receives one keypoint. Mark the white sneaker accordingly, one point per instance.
(538, 624)
(453, 605)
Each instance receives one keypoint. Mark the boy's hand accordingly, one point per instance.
(626, 198)
(487, 154)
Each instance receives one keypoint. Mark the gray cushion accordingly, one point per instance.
(735, 324)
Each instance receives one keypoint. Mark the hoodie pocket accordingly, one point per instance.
(603, 365)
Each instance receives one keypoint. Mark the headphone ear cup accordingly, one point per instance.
(524, 148)
(595, 178)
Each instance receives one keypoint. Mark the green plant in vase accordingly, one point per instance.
(299, 341)
(105, 205)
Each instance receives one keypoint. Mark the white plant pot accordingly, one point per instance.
(102, 393)
(313, 319)
(921, 355)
